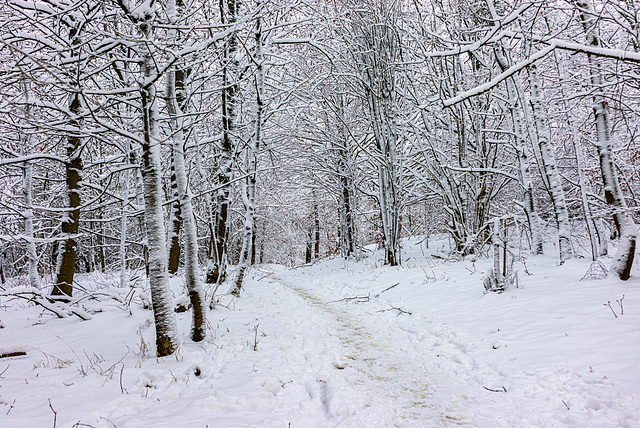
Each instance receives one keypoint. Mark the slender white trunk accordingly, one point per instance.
(582, 180)
(249, 191)
(603, 237)
(549, 167)
(523, 160)
(498, 250)
(217, 266)
(191, 265)
(27, 184)
(388, 187)
(204, 180)
(123, 224)
(140, 205)
(628, 232)
(162, 300)
(378, 52)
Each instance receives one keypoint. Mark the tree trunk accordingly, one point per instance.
(66, 265)
(217, 268)
(548, 160)
(165, 323)
(3, 256)
(316, 228)
(175, 221)
(377, 53)
(141, 206)
(32, 257)
(577, 147)
(623, 260)
(249, 196)
(524, 174)
(123, 222)
(175, 79)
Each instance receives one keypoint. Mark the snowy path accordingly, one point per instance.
(384, 375)
(372, 363)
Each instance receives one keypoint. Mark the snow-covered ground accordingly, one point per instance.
(342, 344)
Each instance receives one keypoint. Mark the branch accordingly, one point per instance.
(60, 309)
(393, 308)
(355, 299)
(553, 44)
(27, 158)
(387, 289)
(479, 90)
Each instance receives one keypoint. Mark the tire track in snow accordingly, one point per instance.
(392, 376)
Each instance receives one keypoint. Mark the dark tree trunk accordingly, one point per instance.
(216, 271)
(175, 223)
(67, 251)
(316, 241)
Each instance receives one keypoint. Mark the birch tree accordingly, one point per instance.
(376, 52)
(217, 267)
(249, 188)
(549, 168)
(623, 260)
(175, 81)
(143, 19)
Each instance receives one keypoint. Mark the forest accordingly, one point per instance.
(186, 144)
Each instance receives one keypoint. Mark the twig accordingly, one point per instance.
(387, 289)
(51, 304)
(12, 405)
(620, 303)
(495, 390)
(255, 339)
(609, 304)
(12, 354)
(108, 421)
(265, 276)
(400, 311)
(122, 387)
(563, 402)
(3, 371)
(355, 299)
(55, 414)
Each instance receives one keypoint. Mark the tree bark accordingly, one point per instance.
(175, 79)
(175, 220)
(377, 53)
(162, 301)
(66, 265)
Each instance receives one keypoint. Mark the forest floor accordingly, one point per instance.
(341, 344)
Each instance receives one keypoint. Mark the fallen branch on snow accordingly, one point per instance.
(50, 303)
(363, 299)
(495, 390)
(13, 354)
(393, 308)
(355, 299)
(387, 289)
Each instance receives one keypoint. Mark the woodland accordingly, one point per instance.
(198, 138)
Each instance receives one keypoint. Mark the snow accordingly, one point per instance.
(339, 344)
